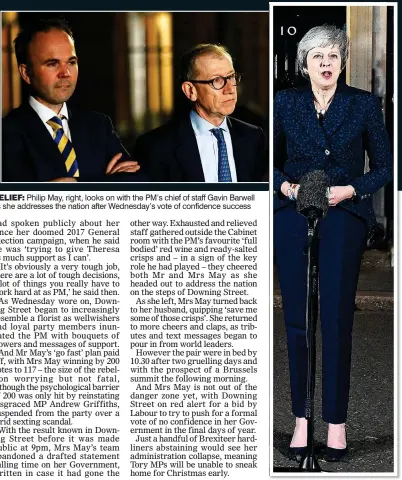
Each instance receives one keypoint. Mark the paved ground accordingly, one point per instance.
(370, 420)
(374, 293)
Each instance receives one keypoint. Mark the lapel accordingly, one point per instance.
(50, 157)
(186, 150)
(306, 115)
(79, 139)
(338, 110)
(240, 151)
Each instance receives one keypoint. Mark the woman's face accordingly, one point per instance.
(324, 66)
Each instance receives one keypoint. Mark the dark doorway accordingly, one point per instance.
(290, 25)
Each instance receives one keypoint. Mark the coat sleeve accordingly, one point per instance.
(261, 170)
(16, 166)
(376, 143)
(113, 143)
(152, 153)
(279, 142)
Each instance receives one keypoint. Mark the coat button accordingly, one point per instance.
(327, 152)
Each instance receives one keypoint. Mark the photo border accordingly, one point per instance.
(396, 238)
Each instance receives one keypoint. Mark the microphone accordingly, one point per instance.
(312, 201)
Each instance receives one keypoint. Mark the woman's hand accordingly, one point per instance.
(285, 189)
(338, 194)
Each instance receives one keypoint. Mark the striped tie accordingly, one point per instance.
(223, 162)
(65, 146)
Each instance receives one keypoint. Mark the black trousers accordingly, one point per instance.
(341, 245)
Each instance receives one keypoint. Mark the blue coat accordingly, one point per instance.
(353, 125)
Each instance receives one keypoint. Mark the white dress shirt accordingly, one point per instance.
(208, 147)
(45, 114)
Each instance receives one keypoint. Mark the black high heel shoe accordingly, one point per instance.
(336, 454)
(296, 453)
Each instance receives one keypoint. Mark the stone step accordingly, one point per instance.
(365, 301)
(375, 291)
(377, 258)
(370, 279)
(376, 279)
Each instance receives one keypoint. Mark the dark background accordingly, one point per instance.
(290, 25)
(103, 51)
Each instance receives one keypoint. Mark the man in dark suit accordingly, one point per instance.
(44, 139)
(206, 145)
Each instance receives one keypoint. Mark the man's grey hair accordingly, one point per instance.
(322, 36)
(188, 67)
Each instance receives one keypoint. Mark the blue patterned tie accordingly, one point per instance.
(65, 147)
(223, 161)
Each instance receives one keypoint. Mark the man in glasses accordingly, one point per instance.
(205, 144)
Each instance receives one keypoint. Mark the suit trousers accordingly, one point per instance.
(342, 240)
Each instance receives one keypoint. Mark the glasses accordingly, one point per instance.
(218, 83)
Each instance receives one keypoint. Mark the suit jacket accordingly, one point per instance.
(352, 125)
(29, 154)
(170, 153)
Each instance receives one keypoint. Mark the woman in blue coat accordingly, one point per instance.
(325, 126)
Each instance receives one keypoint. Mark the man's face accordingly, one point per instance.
(52, 68)
(210, 104)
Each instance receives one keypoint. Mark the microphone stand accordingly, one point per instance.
(308, 462)
(312, 203)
